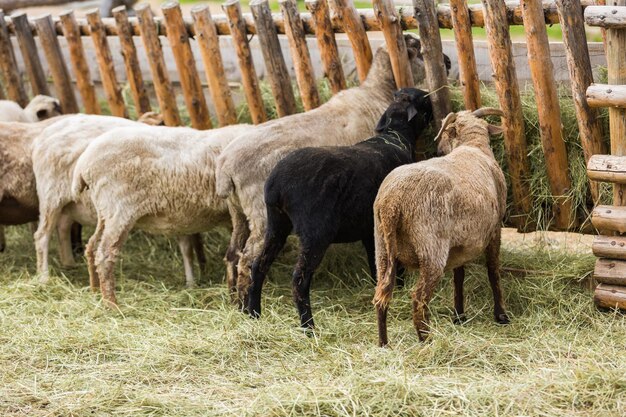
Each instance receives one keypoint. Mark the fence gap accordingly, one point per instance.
(346, 16)
(161, 80)
(78, 60)
(386, 14)
(56, 63)
(468, 73)
(131, 61)
(305, 75)
(276, 69)
(209, 45)
(249, 78)
(186, 64)
(28, 47)
(8, 66)
(507, 89)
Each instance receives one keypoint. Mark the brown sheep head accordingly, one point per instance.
(466, 126)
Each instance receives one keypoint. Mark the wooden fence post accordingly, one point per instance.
(131, 62)
(162, 85)
(79, 63)
(26, 41)
(554, 150)
(577, 52)
(249, 78)
(434, 64)
(112, 90)
(465, 53)
(186, 64)
(499, 43)
(347, 17)
(209, 44)
(394, 39)
(56, 63)
(300, 54)
(276, 69)
(8, 67)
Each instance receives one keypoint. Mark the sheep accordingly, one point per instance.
(326, 195)
(439, 214)
(54, 154)
(39, 108)
(160, 180)
(244, 165)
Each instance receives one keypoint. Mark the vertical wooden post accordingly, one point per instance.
(8, 67)
(349, 19)
(327, 44)
(394, 39)
(616, 65)
(78, 60)
(575, 42)
(209, 43)
(555, 153)
(26, 41)
(436, 73)
(465, 53)
(112, 90)
(249, 78)
(276, 69)
(131, 62)
(300, 54)
(56, 63)
(162, 85)
(499, 43)
(186, 64)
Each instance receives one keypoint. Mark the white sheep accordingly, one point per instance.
(245, 165)
(439, 214)
(39, 108)
(157, 179)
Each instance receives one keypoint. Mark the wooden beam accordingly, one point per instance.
(468, 73)
(8, 67)
(610, 271)
(28, 47)
(613, 247)
(186, 65)
(277, 73)
(9, 5)
(608, 168)
(605, 95)
(608, 17)
(609, 218)
(327, 44)
(209, 45)
(349, 18)
(610, 296)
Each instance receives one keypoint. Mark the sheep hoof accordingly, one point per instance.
(459, 319)
(502, 319)
(255, 314)
(423, 334)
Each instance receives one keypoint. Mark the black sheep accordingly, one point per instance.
(326, 195)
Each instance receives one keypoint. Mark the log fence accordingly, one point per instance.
(324, 19)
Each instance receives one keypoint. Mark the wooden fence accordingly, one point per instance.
(323, 20)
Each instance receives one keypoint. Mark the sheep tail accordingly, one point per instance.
(387, 248)
(224, 183)
(78, 184)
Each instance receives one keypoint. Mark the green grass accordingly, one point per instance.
(169, 351)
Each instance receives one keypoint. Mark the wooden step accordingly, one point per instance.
(609, 218)
(610, 271)
(610, 296)
(613, 247)
(605, 95)
(608, 168)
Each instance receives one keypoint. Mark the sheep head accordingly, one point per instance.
(43, 107)
(409, 105)
(464, 127)
(152, 119)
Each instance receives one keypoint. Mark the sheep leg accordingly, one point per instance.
(308, 261)
(493, 271)
(459, 307)
(48, 219)
(90, 254)
(3, 241)
(430, 275)
(198, 248)
(253, 248)
(371, 256)
(238, 239)
(278, 229)
(64, 227)
(186, 245)
(76, 237)
(382, 308)
(113, 237)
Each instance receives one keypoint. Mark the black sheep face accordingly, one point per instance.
(409, 105)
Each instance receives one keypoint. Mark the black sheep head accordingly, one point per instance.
(410, 106)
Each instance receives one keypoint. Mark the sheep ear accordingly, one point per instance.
(382, 124)
(412, 112)
(42, 114)
(494, 130)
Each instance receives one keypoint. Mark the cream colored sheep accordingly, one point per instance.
(39, 108)
(439, 214)
(244, 166)
(159, 179)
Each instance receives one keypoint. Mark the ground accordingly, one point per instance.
(171, 351)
